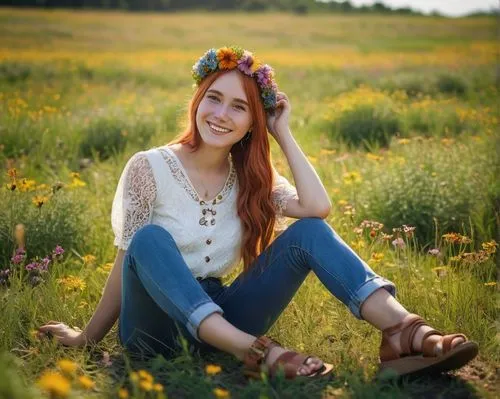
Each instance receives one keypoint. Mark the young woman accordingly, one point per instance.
(186, 213)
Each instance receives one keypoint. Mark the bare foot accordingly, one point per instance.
(313, 363)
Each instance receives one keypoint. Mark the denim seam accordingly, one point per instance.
(351, 294)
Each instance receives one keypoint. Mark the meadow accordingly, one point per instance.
(399, 116)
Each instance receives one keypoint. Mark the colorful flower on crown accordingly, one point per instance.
(228, 59)
(234, 57)
(246, 62)
(264, 75)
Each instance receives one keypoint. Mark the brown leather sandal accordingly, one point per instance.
(290, 361)
(435, 357)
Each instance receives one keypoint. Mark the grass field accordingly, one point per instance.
(399, 116)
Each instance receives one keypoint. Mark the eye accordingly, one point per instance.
(240, 107)
(212, 97)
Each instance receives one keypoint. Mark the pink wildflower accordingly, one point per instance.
(399, 243)
(44, 264)
(434, 252)
(32, 266)
(58, 250)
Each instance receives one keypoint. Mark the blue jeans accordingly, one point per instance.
(162, 300)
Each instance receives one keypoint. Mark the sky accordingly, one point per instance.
(452, 8)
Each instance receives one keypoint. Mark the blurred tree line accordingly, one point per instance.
(296, 6)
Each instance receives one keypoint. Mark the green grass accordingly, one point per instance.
(66, 76)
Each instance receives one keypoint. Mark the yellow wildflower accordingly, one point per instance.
(39, 200)
(357, 245)
(134, 377)
(212, 369)
(456, 238)
(158, 387)
(403, 141)
(67, 366)
(86, 382)
(491, 284)
(89, 259)
(72, 283)
(377, 257)
(144, 375)
(122, 393)
(221, 393)
(54, 384)
(146, 385)
(352, 178)
(77, 183)
(342, 202)
(27, 185)
(490, 247)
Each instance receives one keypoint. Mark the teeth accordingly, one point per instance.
(218, 129)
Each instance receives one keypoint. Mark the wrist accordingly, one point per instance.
(82, 339)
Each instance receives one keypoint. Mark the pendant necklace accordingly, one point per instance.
(207, 213)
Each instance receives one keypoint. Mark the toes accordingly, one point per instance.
(312, 364)
(457, 341)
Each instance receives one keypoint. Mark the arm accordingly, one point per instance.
(109, 306)
(104, 317)
(313, 199)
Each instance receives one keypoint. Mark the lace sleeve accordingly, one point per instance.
(282, 192)
(134, 200)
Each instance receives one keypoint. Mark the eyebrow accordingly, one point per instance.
(239, 100)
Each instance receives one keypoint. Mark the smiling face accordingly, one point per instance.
(223, 116)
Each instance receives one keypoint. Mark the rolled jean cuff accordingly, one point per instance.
(199, 315)
(368, 288)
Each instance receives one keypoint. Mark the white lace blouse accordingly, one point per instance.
(155, 188)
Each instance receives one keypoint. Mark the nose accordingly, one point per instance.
(221, 112)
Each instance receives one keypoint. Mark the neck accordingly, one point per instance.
(209, 159)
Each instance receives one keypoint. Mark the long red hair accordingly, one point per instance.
(252, 162)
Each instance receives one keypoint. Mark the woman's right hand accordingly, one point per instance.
(63, 333)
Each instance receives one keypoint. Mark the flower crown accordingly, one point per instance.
(227, 58)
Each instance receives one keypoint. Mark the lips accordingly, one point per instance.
(217, 131)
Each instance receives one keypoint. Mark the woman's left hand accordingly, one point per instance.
(277, 124)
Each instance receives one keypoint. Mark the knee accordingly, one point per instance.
(309, 227)
(147, 233)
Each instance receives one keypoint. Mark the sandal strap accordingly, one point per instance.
(442, 346)
(256, 354)
(290, 361)
(408, 328)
